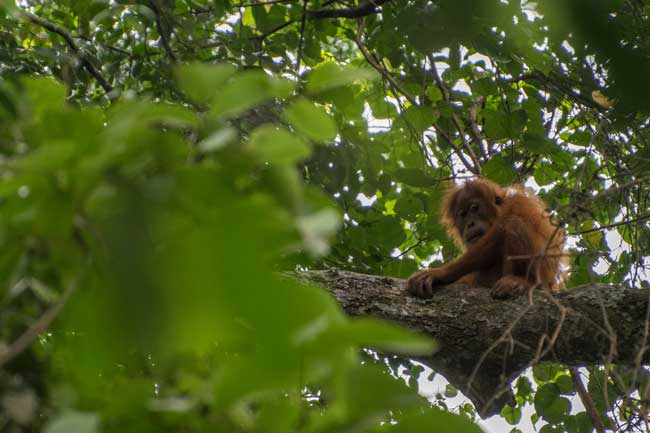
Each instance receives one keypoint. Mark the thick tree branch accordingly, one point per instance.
(69, 39)
(486, 343)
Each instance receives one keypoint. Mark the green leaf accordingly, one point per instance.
(538, 143)
(545, 174)
(414, 177)
(565, 384)
(500, 125)
(549, 405)
(547, 371)
(550, 428)
(450, 391)
(44, 95)
(430, 419)
(277, 145)
(247, 89)
(581, 138)
(419, 118)
(329, 75)
(408, 206)
(524, 387)
(500, 170)
(317, 229)
(217, 140)
(546, 395)
(202, 82)
(386, 336)
(385, 233)
(72, 421)
(311, 120)
(578, 423)
(512, 415)
(434, 93)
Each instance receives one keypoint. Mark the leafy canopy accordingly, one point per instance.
(162, 160)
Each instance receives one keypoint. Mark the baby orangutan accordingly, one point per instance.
(508, 240)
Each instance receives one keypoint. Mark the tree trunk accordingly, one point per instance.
(485, 343)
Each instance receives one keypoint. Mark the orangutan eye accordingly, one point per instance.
(498, 200)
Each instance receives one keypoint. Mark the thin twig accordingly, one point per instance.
(83, 57)
(283, 25)
(301, 41)
(476, 134)
(27, 338)
(367, 8)
(269, 2)
(609, 226)
(560, 86)
(397, 87)
(459, 153)
(375, 64)
(503, 338)
(454, 118)
(161, 31)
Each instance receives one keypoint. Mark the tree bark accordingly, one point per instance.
(485, 343)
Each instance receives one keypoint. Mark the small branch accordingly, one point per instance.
(161, 31)
(559, 85)
(375, 64)
(620, 188)
(272, 31)
(609, 226)
(83, 57)
(107, 46)
(396, 87)
(270, 2)
(301, 41)
(476, 133)
(283, 25)
(454, 118)
(596, 421)
(411, 248)
(37, 328)
(459, 153)
(367, 8)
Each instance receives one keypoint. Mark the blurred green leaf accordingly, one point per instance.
(202, 82)
(311, 120)
(414, 177)
(72, 421)
(217, 140)
(246, 90)
(278, 146)
(382, 335)
(329, 75)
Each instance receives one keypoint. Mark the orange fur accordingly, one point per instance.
(508, 239)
